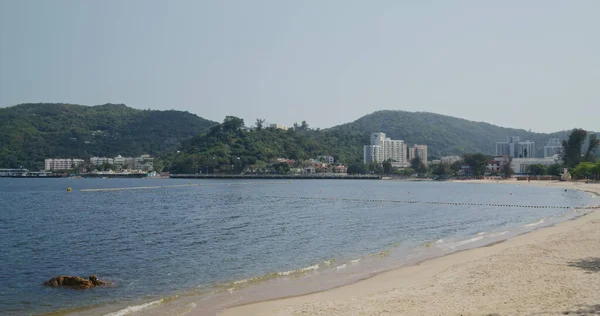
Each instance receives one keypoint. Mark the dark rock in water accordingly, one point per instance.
(74, 282)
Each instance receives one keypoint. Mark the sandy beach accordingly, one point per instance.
(551, 271)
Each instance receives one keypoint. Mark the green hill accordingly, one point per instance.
(444, 135)
(230, 147)
(29, 133)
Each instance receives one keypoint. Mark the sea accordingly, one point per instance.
(172, 246)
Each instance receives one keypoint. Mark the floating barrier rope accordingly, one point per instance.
(428, 202)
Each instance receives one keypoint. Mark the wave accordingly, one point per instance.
(492, 235)
(455, 244)
(135, 308)
(299, 271)
(534, 224)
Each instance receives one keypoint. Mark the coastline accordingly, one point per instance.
(552, 270)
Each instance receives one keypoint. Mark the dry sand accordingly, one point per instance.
(551, 271)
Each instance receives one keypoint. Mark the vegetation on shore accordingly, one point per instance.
(30, 133)
(186, 143)
(230, 147)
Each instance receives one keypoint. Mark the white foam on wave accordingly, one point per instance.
(534, 224)
(135, 308)
(439, 241)
(341, 267)
(453, 245)
(355, 260)
(241, 281)
(492, 235)
(307, 269)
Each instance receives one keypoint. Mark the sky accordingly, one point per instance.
(524, 64)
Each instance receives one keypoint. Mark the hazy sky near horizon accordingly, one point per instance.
(525, 64)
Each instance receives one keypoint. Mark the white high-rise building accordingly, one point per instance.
(372, 153)
(525, 149)
(378, 139)
(387, 148)
(394, 150)
(514, 147)
(553, 147)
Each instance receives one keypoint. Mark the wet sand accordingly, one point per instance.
(551, 271)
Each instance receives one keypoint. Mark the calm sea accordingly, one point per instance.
(223, 242)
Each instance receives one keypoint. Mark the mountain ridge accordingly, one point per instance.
(444, 134)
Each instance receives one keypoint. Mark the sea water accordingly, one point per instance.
(183, 244)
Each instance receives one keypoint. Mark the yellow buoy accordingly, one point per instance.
(69, 189)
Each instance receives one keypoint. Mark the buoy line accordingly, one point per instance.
(180, 186)
(427, 202)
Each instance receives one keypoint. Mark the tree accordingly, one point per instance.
(596, 170)
(357, 168)
(304, 126)
(593, 143)
(583, 170)
(232, 123)
(572, 147)
(281, 167)
(536, 170)
(553, 170)
(387, 166)
(477, 162)
(375, 167)
(442, 170)
(418, 165)
(507, 169)
(259, 124)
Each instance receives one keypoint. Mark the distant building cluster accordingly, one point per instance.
(59, 164)
(143, 162)
(514, 147)
(382, 148)
(521, 155)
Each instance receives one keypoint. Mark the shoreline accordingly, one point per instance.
(382, 292)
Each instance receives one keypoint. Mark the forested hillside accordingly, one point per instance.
(445, 135)
(29, 133)
(230, 147)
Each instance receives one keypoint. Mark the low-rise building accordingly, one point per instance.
(521, 165)
(97, 161)
(62, 164)
(328, 159)
(278, 126)
(450, 159)
(340, 169)
(496, 165)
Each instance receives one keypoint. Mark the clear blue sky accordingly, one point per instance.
(527, 64)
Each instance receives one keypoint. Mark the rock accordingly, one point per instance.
(74, 282)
